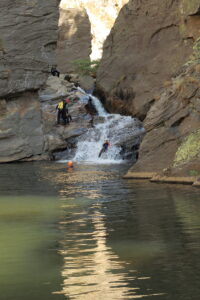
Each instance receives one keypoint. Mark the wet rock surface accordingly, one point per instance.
(56, 136)
(83, 137)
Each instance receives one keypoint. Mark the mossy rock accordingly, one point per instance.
(189, 149)
(195, 57)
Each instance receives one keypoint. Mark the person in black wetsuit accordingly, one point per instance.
(68, 117)
(55, 72)
(90, 108)
(104, 148)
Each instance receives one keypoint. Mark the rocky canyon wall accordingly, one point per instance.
(28, 37)
(83, 28)
(150, 69)
(146, 47)
(74, 39)
(171, 145)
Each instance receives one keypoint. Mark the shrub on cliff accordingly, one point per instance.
(86, 66)
(196, 49)
(189, 149)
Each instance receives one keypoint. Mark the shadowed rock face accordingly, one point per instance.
(83, 28)
(146, 47)
(28, 35)
(74, 40)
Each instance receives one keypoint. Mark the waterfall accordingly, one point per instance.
(118, 130)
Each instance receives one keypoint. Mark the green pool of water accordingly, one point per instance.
(87, 233)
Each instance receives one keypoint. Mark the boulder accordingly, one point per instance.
(21, 132)
(55, 88)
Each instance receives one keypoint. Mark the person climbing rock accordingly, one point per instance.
(90, 108)
(68, 77)
(62, 112)
(91, 122)
(104, 148)
(68, 117)
(135, 149)
(54, 71)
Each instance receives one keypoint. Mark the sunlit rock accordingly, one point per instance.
(83, 28)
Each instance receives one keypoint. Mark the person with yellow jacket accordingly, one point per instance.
(62, 112)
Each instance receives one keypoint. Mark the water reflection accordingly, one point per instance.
(120, 239)
(125, 240)
(92, 270)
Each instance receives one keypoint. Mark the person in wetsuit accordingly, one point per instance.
(90, 108)
(104, 148)
(62, 112)
(54, 71)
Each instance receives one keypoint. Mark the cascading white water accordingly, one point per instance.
(115, 128)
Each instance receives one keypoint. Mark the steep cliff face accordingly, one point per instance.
(150, 69)
(28, 36)
(146, 47)
(74, 39)
(28, 40)
(172, 128)
(83, 28)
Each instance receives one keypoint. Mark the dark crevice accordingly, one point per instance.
(14, 95)
(51, 45)
(190, 38)
(147, 107)
(161, 29)
(197, 13)
(178, 122)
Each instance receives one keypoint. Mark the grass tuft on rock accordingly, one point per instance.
(189, 149)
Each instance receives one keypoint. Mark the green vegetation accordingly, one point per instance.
(193, 173)
(196, 49)
(189, 149)
(86, 66)
(195, 57)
